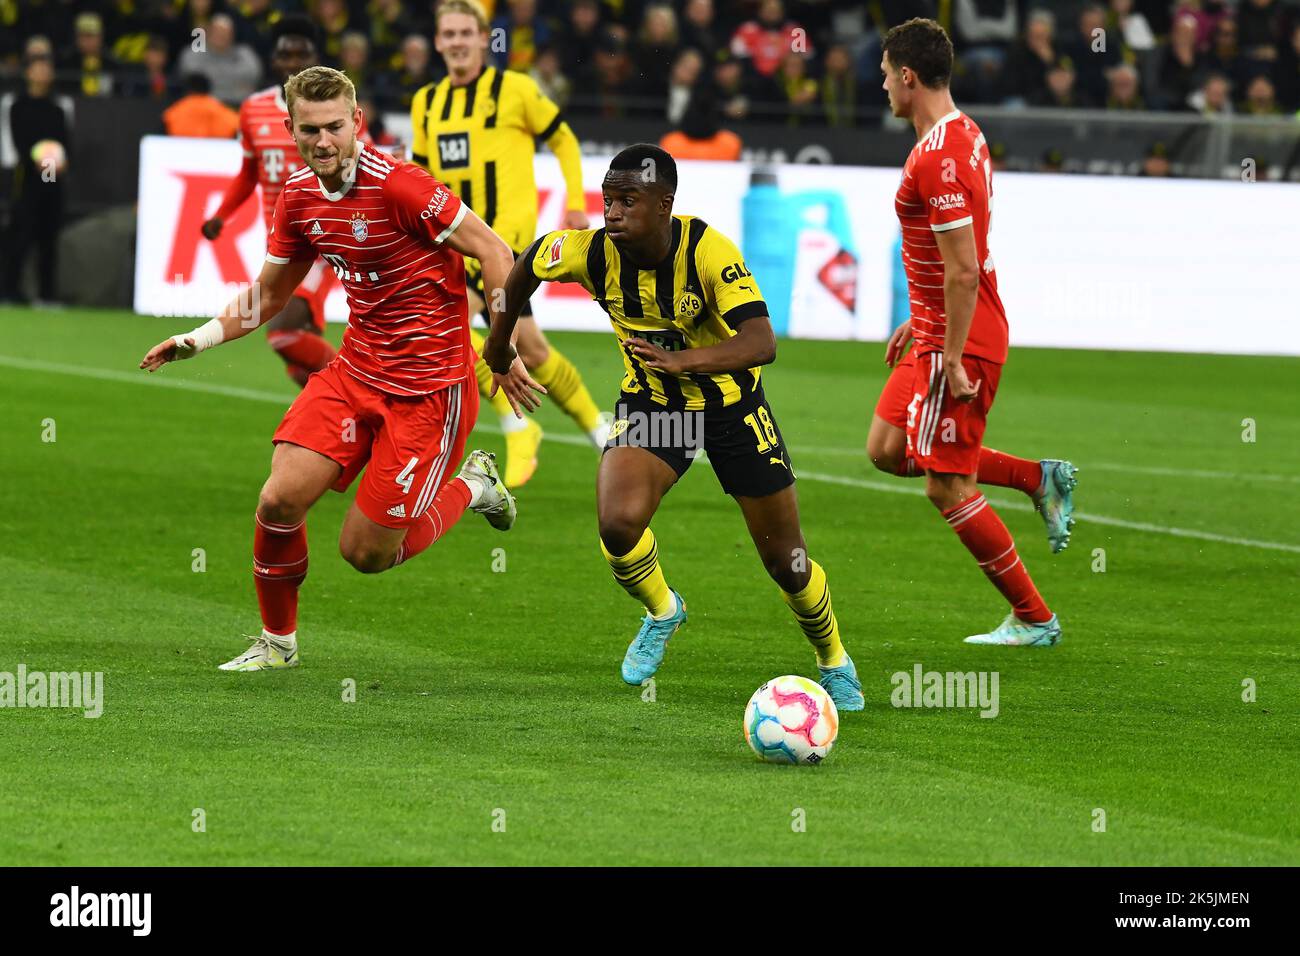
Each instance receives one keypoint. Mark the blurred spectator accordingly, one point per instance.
(232, 69)
(1125, 89)
(550, 78)
(1260, 27)
(731, 90)
(1130, 24)
(983, 30)
(255, 25)
(1025, 76)
(580, 41)
(524, 31)
(700, 29)
(1286, 71)
(700, 135)
(127, 29)
(1261, 98)
(36, 203)
(839, 87)
(389, 24)
(394, 89)
(150, 79)
(1180, 68)
(1224, 56)
(1205, 13)
(683, 84)
(333, 19)
(377, 131)
(656, 47)
(84, 65)
(615, 82)
(1094, 53)
(1156, 162)
(354, 59)
(766, 41)
(791, 90)
(199, 113)
(1060, 90)
(1053, 161)
(1214, 98)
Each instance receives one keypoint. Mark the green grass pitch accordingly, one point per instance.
(480, 691)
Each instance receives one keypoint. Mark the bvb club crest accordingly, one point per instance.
(689, 305)
(360, 227)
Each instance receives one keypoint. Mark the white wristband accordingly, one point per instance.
(208, 334)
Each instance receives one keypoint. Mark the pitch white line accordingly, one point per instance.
(901, 486)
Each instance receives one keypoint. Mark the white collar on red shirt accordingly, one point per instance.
(349, 176)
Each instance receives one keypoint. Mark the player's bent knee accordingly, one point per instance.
(620, 532)
(367, 559)
(275, 506)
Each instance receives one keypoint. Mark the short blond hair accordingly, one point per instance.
(469, 7)
(316, 84)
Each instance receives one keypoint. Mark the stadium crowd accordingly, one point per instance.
(690, 61)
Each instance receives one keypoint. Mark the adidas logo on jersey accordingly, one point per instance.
(398, 511)
(316, 230)
(263, 130)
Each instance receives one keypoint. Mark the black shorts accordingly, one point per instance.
(474, 282)
(743, 442)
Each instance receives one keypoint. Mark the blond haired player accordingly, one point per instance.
(477, 130)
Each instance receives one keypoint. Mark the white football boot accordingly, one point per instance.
(495, 502)
(267, 653)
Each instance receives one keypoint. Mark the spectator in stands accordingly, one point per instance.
(333, 19)
(150, 79)
(1206, 13)
(389, 25)
(254, 26)
(1131, 25)
(1180, 67)
(730, 89)
(1224, 56)
(1156, 162)
(524, 32)
(36, 202)
(580, 43)
(615, 82)
(379, 134)
(791, 93)
(1125, 88)
(683, 84)
(1094, 53)
(394, 89)
(983, 31)
(839, 88)
(198, 113)
(1214, 98)
(1053, 161)
(1025, 75)
(1260, 27)
(1060, 91)
(127, 31)
(354, 59)
(656, 47)
(1286, 72)
(766, 41)
(85, 65)
(1261, 98)
(700, 135)
(550, 78)
(700, 29)
(232, 69)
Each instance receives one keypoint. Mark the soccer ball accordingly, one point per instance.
(791, 720)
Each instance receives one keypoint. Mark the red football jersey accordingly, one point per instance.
(383, 233)
(264, 138)
(947, 183)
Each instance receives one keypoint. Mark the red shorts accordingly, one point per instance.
(943, 435)
(315, 289)
(412, 445)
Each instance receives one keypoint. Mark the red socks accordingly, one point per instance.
(279, 566)
(1008, 471)
(444, 511)
(303, 352)
(988, 539)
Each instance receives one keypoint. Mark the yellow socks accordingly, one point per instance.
(500, 404)
(812, 609)
(564, 386)
(639, 573)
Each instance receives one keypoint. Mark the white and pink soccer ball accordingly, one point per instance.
(791, 719)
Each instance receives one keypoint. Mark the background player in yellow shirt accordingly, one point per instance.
(694, 332)
(476, 130)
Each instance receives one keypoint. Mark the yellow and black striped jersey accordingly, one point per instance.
(480, 139)
(696, 297)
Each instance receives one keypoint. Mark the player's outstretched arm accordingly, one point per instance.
(255, 305)
(505, 298)
(753, 344)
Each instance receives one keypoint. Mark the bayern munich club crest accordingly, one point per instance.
(360, 227)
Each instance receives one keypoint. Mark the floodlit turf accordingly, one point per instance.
(480, 691)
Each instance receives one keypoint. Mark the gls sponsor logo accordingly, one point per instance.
(948, 201)
(436, 202)
(103, 909)
(735, 271)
